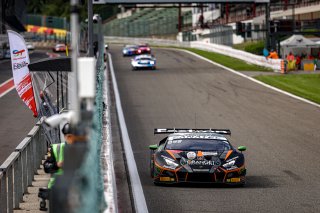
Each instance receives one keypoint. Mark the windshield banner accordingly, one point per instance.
(21, 75)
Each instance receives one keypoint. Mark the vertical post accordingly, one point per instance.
(293, 19)
(73, 96)
(2, 10)
(179, 19)
(227, 13)
(267, 28)
(90, 29)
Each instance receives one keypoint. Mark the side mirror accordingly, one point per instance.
(153, 147)
(242, 148)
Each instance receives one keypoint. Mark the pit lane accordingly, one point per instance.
(15, 117)
(282, 134)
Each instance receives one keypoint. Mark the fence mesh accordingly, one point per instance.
(148, 22)
(92, 190)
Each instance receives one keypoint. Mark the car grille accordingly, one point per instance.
(200, 177)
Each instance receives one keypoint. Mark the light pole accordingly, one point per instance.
(90, 29)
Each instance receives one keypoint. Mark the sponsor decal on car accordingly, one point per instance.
(233, 180)
(201, 170)
(201, 137)
(166, 179)
(210, 153)
(191, 155)
(201, 163)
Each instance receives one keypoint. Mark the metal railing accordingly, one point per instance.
(17, 172)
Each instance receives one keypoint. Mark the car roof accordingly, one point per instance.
(130, 45)
(144, 56)
(197, 135)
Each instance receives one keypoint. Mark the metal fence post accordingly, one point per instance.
(17, 173)
(3, 193)
(29, 163)
(24, 171)
(34, 152)
(7, 169)
(9, 173)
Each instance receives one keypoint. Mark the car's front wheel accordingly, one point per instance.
(151, 166)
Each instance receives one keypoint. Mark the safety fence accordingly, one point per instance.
(91, 168)
(17, 172)
(274, 64)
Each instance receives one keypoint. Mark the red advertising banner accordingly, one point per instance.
(21, 75)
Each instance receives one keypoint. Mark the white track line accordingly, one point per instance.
(137, 191)
(110, 187)
(252, 79)
(8, 90)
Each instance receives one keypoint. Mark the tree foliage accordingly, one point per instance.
(61, 8)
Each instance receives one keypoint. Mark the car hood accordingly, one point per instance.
(192, 161)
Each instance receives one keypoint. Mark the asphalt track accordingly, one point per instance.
(16, 119)
(282, 134)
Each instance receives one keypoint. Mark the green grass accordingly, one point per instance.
(303, 85)
(227, 61)
(254, 47)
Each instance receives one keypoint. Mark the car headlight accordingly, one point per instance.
(229, 164)
(152, 62)
(171, 163)
(124, 51)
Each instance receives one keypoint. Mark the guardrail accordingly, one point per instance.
(274, 64)
(17, 172)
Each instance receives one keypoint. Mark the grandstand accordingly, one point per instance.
(148, 23)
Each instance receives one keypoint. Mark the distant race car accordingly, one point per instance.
(196, 156)
(59, 48)
(144, 49)
(143, 62)
(129, 50)
(30, 46)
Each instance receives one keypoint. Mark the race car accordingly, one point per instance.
(143, 49)
(143, 62)
(129, 50)
(59, 48)
(196, 156)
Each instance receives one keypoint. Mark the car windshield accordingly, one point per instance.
(198, 145)
(144, 59)
(130, 46)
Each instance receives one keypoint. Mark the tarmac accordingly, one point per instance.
(31, 202)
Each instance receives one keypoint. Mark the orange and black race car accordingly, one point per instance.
(196, 155)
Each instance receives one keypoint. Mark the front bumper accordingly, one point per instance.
(136, 65)
(220, 175)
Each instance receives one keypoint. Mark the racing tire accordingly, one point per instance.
(151, 166)
(152, 170)
(134, 68)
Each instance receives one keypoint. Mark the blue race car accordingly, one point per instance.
(130, 50)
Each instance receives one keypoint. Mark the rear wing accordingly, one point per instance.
(174, 130)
